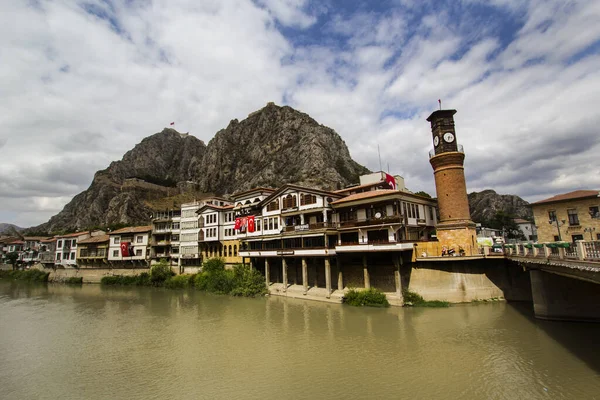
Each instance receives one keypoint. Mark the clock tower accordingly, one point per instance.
(455, 228)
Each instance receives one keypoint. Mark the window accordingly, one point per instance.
(306, 199)
(273, 206)
(235, 249)
(556, 238)
(74, 243)
(138, 252)
(189, 225)
(139, 239)
(573, 217)
(258, 225)
(597, 236)
(266, 224)
(270, 224)
(276, 223)
(431, 213)
(72, 255)
(594, 212)
(117, 240)
(58, 257)
(59, 244)
(115, 253)
(229, 251)
(552, 216)
(289, 201)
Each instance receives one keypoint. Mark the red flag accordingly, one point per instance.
(238, 224)
(172, 123)
(391, 181)
(251, 223)
(124, 249)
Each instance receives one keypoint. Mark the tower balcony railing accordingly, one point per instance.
(459, 147)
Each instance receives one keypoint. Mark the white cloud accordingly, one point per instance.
(82, 85)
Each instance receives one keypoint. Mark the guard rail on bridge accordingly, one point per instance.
(581, 250)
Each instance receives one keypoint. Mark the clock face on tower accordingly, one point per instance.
(436, 141)
(449, 137)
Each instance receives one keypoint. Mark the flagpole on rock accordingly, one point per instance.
(379, 153)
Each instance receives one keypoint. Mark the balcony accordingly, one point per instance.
(392, 219)
(460, 149)
(161, 242)
(311, 227)
(93, 253)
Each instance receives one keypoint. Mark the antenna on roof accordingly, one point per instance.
(379, 153)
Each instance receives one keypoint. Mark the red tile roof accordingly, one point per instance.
(577, 194)
(133, 229)
(366, 185)
(365, 195)
(95, 239)
(73, 234)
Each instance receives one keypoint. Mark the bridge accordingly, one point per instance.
(564, 278)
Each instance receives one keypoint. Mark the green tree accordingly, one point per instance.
(423, 194)
(12, 259)
(506, 223)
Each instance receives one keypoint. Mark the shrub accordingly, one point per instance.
(213, 264)
(31, 275)
(74, 280)
(248, 282)
(177, 282)
(160, 272)
(217, 281)
(370, 297)
(416, 300)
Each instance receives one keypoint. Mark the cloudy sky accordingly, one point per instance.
(83, 81)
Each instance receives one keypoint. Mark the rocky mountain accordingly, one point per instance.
(484, 205)
(8, 228)
(273, 146)
(118, 194)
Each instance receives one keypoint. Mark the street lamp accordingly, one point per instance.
(590, 230)
(558, 225)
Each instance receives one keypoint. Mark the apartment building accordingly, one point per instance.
(93, 252)
(568, 217)
(130, 247)
(66, 247)
(217, 236)
(166, 229)
(355, 236)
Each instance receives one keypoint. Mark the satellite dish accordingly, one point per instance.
(377, 215)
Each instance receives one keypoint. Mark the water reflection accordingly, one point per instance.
(95, 342)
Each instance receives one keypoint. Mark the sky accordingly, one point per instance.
(82, 82)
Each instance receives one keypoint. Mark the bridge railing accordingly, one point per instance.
(580, 250)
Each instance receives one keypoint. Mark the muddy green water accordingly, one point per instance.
(60, 342)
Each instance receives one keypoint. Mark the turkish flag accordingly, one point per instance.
(124, 249)
(391, 181)
(244, 222)
(238, 224)
(251, 223)
(172, 123)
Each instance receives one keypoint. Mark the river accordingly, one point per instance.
(92, 342)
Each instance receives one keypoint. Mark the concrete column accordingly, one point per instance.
(397, 261)
(304, 275)
(486, 250)
(324, 215)
(267, 272)
(284, 271)
(340, 277)
(301, 219)
(561, 252)
(366, 273)
(546, 251)
(580, 250)
(251, 264)
(328, 277)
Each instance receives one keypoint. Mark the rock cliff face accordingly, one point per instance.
(484, 205)
(273, 146)
(161, 160)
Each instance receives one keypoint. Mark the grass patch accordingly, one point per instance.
(178, 282)
(416, 300)
(30, 275)
(366, 298)
(74, 280)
